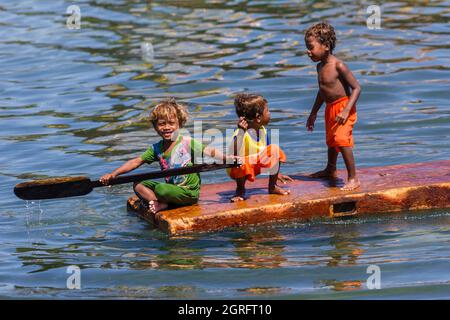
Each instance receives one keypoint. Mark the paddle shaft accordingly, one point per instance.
(163, 173)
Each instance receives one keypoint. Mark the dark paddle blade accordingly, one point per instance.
(53, 188)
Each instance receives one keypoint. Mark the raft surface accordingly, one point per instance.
(383, 189)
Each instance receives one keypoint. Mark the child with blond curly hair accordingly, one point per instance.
(173, 151)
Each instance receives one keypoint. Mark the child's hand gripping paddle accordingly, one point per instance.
(78, 186)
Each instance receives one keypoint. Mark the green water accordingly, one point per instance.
(75, 102)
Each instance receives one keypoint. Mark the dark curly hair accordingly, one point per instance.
(323, 32)
(248, 105)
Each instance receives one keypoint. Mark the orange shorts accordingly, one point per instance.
(270, 158)
(339, 135)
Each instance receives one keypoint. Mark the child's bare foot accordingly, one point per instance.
(284, 179)
(155, 206)
(327, 173)
(352, 184)
(278, 190)
(238, 196)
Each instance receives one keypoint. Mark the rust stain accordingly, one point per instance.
(384, 189)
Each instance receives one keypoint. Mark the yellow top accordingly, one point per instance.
(257, 153)
(249, 142)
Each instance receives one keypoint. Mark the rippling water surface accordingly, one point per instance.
(75, 102)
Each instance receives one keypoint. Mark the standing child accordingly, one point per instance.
(340, 90)
(250, 141)
(173, 151)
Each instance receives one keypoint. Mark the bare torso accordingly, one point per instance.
(331, 85)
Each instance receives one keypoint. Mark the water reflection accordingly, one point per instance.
(346, 250)
(259, 249)
(342, 285)
(322, 257)
(252, 249)
(179, 255)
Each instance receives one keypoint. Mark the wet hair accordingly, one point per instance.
(167, 109)
(248, 105)
(323, 32)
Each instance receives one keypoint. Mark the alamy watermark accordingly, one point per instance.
(373, 22)
(374, 281)
(73, 21)
(74, 280)
(233, 142)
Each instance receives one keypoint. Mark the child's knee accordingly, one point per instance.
(137, 186)
(140, 190)
(162, 191)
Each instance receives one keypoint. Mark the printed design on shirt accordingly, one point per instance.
(180, 156)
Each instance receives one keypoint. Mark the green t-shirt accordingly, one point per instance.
(182, 154)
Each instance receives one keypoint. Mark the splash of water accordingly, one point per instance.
(147, 52)
(33, 216)
(32, 208)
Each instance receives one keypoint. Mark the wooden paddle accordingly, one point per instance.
(78, 186)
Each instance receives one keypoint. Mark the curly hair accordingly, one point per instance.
(248, 105)
(323, 32)
(167, 109)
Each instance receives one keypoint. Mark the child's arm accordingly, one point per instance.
(315, 109)
(126, 167)
(350, 79)
(217, 154)
(198, 149)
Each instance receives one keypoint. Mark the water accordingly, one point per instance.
(75, 101)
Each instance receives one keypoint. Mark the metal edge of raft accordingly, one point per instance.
(390, 200)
